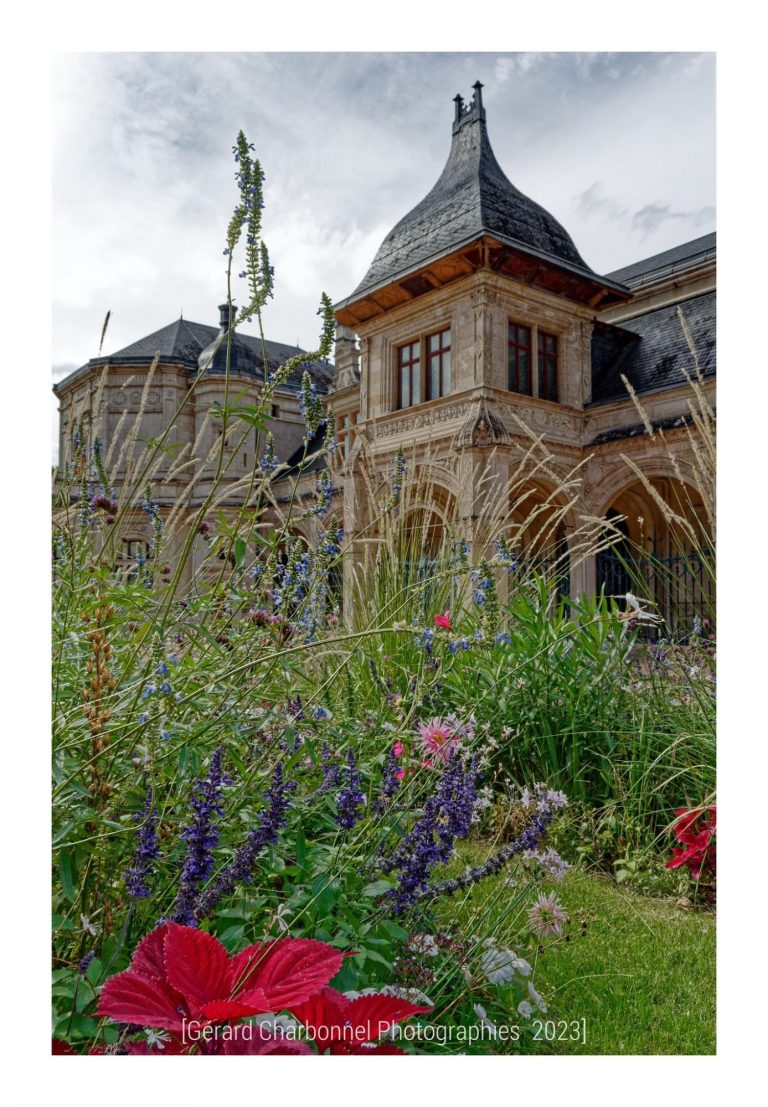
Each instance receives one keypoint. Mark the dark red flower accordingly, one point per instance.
(61, 1048)
(349, 1026)
(695, 829)
(180, 975)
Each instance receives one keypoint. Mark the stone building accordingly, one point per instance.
(128, 399)
(479, 328)
(481, 344)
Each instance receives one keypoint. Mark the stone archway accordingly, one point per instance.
(540, 529)
(662, 551)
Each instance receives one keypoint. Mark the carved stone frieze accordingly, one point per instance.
(421, 419)
(129, 399)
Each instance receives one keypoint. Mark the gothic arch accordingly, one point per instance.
(540, 515)
(601, 496)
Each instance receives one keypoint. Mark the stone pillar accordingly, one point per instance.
(484, 303)
(347, 358)
(583, 577)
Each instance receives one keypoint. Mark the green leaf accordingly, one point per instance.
(377, 888)
(372, 955)
(66, 871)
(232, 936)
(397, 931)
(301, 849)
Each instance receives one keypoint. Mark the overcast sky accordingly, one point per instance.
(619, 147)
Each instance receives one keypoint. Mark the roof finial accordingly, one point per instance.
(473, 112)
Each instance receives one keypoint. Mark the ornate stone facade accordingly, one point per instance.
(526, 401)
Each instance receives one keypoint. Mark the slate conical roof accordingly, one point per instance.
(472, 197)
(197, 345)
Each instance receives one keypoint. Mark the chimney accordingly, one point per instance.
(224, 316)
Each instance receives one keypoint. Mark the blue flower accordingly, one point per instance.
(146, 851)
(240, 869)
(350, 799)
(202, 837)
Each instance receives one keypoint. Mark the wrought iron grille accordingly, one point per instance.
(681, 589)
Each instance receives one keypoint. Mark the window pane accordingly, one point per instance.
(416, 382)
(434, 342)
(405, 399)
(524, 375)
(446, 338)
(446, 372)
(525, 372)
(434, 376)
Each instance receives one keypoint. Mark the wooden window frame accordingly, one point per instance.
(420, 354)
(547, 366)
(543, 373)
(513, 374)
(442, 349)
(407, 363)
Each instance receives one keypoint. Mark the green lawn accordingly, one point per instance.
(643, 976)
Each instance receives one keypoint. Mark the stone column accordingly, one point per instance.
(583, 577)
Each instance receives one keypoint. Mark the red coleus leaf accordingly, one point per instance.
(149, 955)
(198, 966)
(251, 1039)
(346, 1025)
(179, 972)
(61, 1048)
(131, 997)
(321, 1011)
(378, 1013)
(282, 973)
(383, 1049)
(226, 1010)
